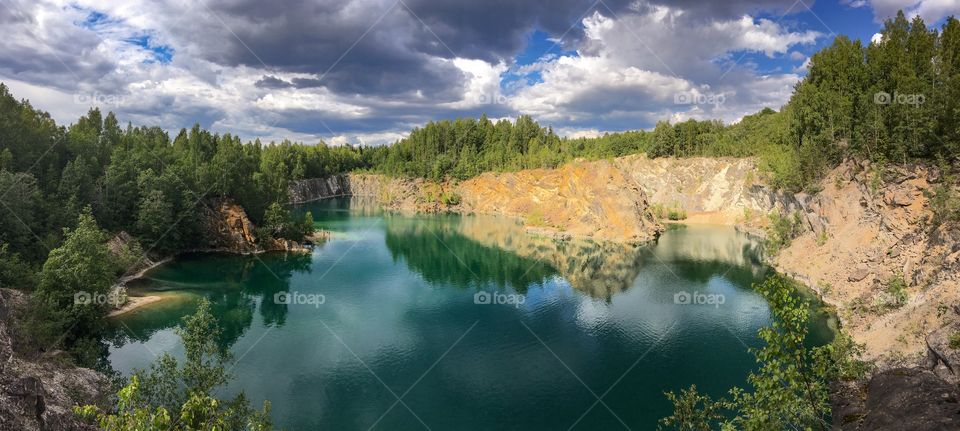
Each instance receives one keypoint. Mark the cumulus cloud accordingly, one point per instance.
(369, 70)
(620, 81)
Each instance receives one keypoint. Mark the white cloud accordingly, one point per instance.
(930, 10)
(620, 81)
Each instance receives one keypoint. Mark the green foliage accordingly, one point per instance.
(790, 389)
(535, 218)
(171, 396)
(781, 231)
(944, 201)
(822, 238)
(450, 198)
(673, 212)
(693, 411)
(278, 223)
(897, 291)
(955, 341)
(677, 214)
(64, 309)
(14, 272)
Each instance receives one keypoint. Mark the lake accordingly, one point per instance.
(444, 322)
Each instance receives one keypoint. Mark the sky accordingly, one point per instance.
(368, 71)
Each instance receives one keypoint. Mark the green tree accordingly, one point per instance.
(790, 390)
(155, 220)
(170, 396)
(69, 303)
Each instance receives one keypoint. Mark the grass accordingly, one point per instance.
(955, 341)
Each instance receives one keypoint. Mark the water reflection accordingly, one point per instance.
(237, 286)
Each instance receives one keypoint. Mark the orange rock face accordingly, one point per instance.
(582, 198)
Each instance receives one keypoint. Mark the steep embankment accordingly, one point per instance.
(878, 237)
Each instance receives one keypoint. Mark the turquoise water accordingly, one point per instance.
(400, 318)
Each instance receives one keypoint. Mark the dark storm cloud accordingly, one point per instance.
(497, 29)
(351, 47)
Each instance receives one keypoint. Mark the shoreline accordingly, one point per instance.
(134, 303)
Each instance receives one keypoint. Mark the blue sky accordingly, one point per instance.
(366, 71)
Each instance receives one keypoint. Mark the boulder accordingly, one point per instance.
(941, 358)
(858, 274)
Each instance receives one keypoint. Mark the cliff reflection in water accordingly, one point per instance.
(502, 252)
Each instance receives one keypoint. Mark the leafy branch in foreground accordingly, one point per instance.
(791, 386)
(169, 396)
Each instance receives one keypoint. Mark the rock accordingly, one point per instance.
(848, 404)
(910, 399)
(941, 358)
(39, 394)
(858, 274)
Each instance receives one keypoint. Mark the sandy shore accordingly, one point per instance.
(135, 302)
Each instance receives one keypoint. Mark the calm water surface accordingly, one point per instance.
(400, 319)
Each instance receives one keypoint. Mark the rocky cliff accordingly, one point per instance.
(228, 228)
(39, 393)
(890, 273)
(586, 199)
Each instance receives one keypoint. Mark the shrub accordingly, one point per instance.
(536, 218)
(677, 214)
(897, 289)
(450, 198)
(781, 231)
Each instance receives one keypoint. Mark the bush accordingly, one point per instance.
(673, 212)
(677, 214)
(450, 198)
(897, 290)
(789, 389)
(781, 231)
